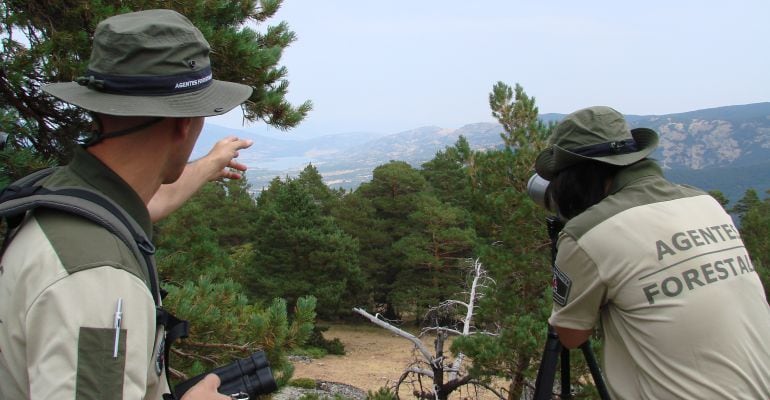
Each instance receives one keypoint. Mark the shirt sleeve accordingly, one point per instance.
(579, 292)
(71, 337)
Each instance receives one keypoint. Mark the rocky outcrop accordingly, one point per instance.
(324, 391)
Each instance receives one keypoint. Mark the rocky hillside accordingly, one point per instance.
(718, 137)
(723, 137)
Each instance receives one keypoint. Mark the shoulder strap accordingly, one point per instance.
(25, 195)
(14, 220)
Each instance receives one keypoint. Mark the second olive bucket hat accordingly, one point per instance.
(594, 133)
(150, 63)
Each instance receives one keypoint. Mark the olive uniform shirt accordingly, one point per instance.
(60, 281)
(683, 313)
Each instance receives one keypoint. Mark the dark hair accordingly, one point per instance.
(580, 186)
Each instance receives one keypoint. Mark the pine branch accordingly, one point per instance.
(193, 356)
(247, 347)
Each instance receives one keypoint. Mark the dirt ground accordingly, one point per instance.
(374, 358)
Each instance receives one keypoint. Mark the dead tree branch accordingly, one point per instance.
(414, 339)
(439, 389)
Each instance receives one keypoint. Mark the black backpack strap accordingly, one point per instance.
(175, 329)
(16, 200)
(12, 221)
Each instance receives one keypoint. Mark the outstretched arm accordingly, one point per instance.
(218, 163)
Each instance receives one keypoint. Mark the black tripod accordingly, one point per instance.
(554, 350)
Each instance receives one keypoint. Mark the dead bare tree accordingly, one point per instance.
(427, 373)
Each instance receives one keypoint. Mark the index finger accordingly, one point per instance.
(237, 142)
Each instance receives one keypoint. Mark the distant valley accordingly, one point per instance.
(724, 148)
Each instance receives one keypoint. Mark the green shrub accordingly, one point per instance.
(304, 383)
(312, 352)
(335, 347)
(382, 393)
(317, 339)
(315, 396)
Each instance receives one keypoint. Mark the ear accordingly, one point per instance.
(182, 128)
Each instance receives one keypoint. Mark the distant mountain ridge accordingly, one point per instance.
(716, 137)
(701, 140)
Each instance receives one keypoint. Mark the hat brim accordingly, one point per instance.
(216, 99)
(554, 159)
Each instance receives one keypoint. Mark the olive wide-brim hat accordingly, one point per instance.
(595, 133)
(150, 63)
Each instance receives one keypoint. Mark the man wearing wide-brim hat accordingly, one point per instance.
(683, 313)
(78, 319)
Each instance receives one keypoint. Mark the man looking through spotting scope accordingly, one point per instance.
(683, 313)
(77, 306)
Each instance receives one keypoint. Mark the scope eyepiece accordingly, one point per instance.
(537, 189)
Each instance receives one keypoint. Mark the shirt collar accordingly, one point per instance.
(633, 173)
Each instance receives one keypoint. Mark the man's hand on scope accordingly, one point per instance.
(206, 389)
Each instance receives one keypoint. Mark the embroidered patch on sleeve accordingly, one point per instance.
(561, 286)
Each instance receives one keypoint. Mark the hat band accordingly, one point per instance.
(147, 85)
(607, 149)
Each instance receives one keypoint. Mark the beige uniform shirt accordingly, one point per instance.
(60, 282)
(683, 313)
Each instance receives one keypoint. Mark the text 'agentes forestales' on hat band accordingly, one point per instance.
(148, 85)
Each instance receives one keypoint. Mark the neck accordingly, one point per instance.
(138, 158)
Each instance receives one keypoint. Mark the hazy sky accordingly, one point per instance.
(389, 66)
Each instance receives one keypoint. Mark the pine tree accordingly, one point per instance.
(514, 248)
(357, 217)
(393, 194)
(755, 232)
(434, 255)
(517, 114)
(312, 180)
(299, 251)
(447, 173)
(46, 41)
(719, 197)
(202, 264)
(226, 325)
(749, 200)
(200, 236)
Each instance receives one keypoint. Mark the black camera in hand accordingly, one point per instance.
(245, 378)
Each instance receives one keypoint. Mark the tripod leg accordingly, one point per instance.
(566, 388)
(547, 372)
(596, 372)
